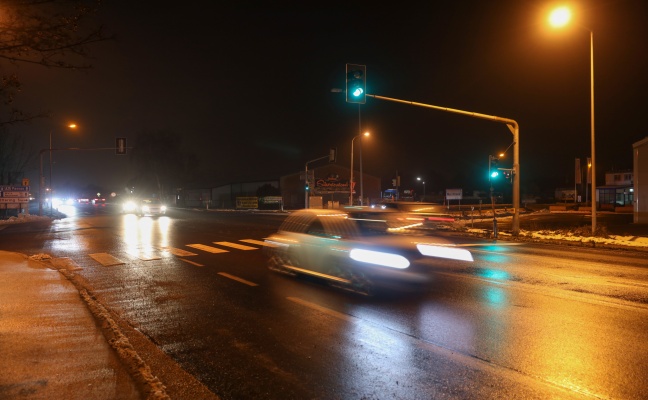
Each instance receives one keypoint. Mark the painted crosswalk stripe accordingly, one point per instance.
(106, 259)
(236, 278)
(236, 246)
(209, 249)
(178, 252)
(259, 242)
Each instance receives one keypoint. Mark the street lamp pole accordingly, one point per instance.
(50, 173)
(592, 128)
(351, 178)
(423, 182)
(560, 17)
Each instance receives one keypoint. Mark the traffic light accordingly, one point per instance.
(356, 83)
(493, 172)
(332, 154)
(120, 146)
(307, 186)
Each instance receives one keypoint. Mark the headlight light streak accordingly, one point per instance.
(441, 251)
(379, 258)
(405, 227)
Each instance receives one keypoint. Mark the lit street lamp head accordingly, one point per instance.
(560, 17)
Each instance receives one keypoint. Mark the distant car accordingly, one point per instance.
(421, 215)
(144, 207)
(357, 250)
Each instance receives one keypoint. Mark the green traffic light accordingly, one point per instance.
(494, 174)
(356, 81)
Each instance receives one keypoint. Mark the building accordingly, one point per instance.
(618, 190)
(328, 187)
(640, 170)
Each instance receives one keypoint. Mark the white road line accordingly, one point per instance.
(259, 242)
(236, 246)
(192, 263)
(106, 259)
(209, 249)
(236, 278)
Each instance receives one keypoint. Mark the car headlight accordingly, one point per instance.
(163, 208)
(145, 208)
(444, 252)
(129, 206)
(379, 258)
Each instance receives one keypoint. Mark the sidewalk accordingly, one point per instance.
(50, 344)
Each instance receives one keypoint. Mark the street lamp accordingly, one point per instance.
(559, 18)
(423, 182)
(351, 178)
(42, 178)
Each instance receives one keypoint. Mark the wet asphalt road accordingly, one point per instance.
(522, 321)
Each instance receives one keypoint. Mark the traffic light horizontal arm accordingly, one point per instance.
(507, 121)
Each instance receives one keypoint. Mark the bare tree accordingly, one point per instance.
(50, 33)
(14, 159)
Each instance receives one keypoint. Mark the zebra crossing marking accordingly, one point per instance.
(259, 242)
(235, 245)
(209, 249)
(106, 259)
(178, 252)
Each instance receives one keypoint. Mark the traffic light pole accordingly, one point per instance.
(515, 130)
(492, 194)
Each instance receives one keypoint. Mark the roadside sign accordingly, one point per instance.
(5, 200)
(14, 194)
(454, 194)
(4, 188)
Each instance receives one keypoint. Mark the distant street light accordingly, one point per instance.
(351, 178)
(42, 178)
(423, 182)
(559, 18)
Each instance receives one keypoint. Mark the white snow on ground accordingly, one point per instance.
(21, 218)
(564, 235)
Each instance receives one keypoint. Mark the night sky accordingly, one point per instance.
(248, 88)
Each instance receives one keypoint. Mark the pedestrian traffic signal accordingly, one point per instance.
(356, 83)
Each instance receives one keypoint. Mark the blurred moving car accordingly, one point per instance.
(359, 250)
(144, 207)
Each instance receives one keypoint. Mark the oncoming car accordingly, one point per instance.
(144, 207)
(357, 251)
